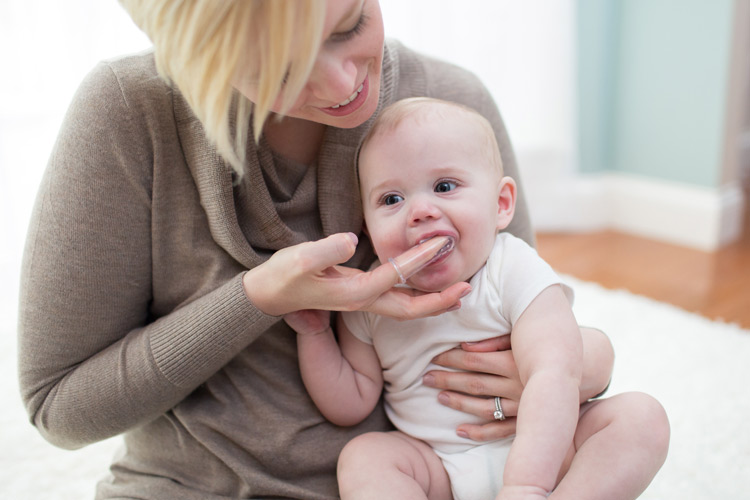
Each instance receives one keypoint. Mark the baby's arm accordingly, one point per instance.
(548, 350)
(343, 378)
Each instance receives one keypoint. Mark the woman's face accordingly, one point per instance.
(344, 85)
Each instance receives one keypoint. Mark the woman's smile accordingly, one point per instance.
(352, 103)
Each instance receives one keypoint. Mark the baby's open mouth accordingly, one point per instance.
(426, 252)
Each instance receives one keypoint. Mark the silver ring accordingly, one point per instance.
(499, 415)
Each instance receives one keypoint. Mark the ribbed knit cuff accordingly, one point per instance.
(194, 342)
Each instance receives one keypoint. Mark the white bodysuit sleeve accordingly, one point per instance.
(521, 275)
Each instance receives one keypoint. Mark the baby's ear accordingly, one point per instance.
(506, 202)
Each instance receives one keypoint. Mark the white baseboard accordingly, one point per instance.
(699, 217)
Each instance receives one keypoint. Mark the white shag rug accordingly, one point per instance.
(698, 369)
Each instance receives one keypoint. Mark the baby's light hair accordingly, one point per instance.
(421, 109)
(203, 46)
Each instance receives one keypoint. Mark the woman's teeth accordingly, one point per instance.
(350, 99)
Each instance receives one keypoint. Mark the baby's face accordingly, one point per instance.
(429, 179)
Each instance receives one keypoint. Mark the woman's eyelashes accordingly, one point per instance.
(340, 37)
(349, 34)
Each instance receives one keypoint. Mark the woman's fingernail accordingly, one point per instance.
(466, 292)
(429, 380)
(462, 434)
(454, 307)
(443, 398)
(471, 343)
(354, 238)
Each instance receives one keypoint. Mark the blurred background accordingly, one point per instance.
(629, 118)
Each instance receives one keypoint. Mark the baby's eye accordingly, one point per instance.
(445, 186)
(392, 199)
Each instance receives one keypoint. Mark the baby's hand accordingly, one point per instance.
(309, 321)
(521, 493)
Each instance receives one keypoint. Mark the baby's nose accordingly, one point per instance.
(422, 210)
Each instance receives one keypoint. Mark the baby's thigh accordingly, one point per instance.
(392, 460)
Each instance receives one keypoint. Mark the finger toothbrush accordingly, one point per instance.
(421, 255)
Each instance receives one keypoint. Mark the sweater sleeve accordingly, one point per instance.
(93, 361)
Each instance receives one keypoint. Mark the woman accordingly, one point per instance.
(165, 246)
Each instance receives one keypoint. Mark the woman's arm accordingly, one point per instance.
(98, 352)
(343, 378)
(94, 360)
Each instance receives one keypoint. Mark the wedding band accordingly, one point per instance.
(499, 415)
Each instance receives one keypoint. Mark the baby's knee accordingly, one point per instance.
(362, 453)
(361, 446)
(647, 419)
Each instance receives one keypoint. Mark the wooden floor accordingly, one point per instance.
(714, 284)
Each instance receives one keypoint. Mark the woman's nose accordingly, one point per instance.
(333, 78)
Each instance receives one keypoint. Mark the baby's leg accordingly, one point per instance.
(391, 465)
(620, 444)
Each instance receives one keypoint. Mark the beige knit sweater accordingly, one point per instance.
(132, 315)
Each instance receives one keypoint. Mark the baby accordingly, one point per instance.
(432, 169)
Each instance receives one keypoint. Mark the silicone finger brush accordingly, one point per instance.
(420, 256)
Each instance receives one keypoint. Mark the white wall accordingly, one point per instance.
(522, 50)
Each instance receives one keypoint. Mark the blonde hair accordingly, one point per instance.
(203, 46)
(421, 109)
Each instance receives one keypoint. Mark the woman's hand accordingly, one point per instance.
(309, 276)
(489, 370)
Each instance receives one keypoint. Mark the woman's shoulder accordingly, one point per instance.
(122, 100)
(132, 79)
(117, 111)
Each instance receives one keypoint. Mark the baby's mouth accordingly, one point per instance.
(426, 252)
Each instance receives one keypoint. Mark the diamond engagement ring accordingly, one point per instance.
(499, 415)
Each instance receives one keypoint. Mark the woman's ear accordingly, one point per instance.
(506, 202)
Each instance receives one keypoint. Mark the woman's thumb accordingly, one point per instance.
(335, 249)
